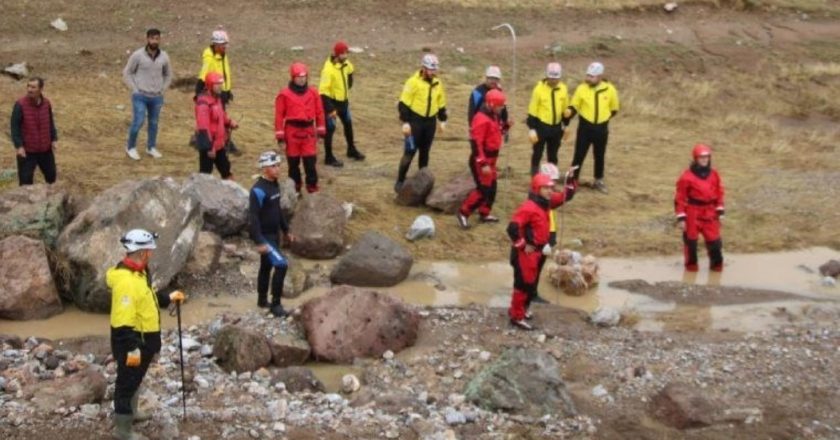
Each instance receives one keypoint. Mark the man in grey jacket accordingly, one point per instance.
(148, 74)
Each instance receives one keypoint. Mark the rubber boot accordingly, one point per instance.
(139, 416)
(123, 429)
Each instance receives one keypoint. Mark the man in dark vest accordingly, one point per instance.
(34, 134)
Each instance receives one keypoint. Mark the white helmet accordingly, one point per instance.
(137, 239)
(553, 71)
(550, 169)
(430, 61)
(595, 69)
(219, 36)
(493, 72)
(268, 159)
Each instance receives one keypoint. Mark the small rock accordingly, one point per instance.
(17, 71)
(297, 48)
(455, 417)
(456, 399)
(206, 350)
(600, 392)
(334, 399)
(350, 384)
(605, 317)
(484, 356)
(279, 427)
(830, 269)
(51, 362)
(254, 433)
(392, 434)
(120, 107)
(356, 49)
(388, 355)
(670, 7)
(541, 338)
(90, 411)
(829, 282)
(59, 24)
(422, 227)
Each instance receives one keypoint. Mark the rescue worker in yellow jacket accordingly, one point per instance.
(215, 58)
(421, 102)
(546, 121)
(336, 82)
(135, 326)
(596, 101)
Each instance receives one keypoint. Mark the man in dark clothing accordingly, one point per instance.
(34, 134)
(266, 222)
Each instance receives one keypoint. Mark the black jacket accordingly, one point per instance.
(264, 215)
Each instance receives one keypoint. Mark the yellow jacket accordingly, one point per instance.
(213, 62)
(547, 103)
(424, 98)
(133, 302)
(335, 80)
(597, 103)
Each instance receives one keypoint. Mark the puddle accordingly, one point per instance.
(449, 283)
(330, 374)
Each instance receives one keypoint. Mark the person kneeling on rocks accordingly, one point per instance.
(135, 326)
(266, 221)
(529, 233)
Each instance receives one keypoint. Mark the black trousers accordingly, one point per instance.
(309, 167)
(595, 135)
(342, 109)
(265, 275)
(129, 378)
(205, 163)
(423, 131)
(548, 139)
(43, 161)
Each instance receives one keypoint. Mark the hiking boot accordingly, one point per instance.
(462, 221)
(539, 300)
(262, 302)
(154, 153)
(123, 429)
(132, 153)
(529, 316)
(489, 219)
(522, 324)
(333, 162)
(278, 311)
(356, 155)
(600, 186)
(397, 187)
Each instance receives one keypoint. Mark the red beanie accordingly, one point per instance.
(340, 48)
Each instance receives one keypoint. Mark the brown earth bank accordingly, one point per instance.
(758, 80)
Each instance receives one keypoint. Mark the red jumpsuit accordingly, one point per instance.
(486, 141)
(699, 202)
(530, 225)
(299, 120)
(211, 126)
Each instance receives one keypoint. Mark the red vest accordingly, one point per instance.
(290, 106)
(486, 132)
(210, 116)
(35, 127)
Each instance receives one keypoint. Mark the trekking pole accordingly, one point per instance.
(181, 350)
(512, 100)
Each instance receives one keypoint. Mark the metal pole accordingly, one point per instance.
(181, 350)
(512, 99)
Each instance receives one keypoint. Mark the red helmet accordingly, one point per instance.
(495, 98)
(701, 150)
(540, 180)
(340, 48)
(213, 78)
(298, 69)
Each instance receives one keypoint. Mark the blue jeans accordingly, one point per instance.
(141, 105)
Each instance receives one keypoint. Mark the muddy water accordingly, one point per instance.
(448, 283)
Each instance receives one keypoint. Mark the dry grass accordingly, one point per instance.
(774, 133)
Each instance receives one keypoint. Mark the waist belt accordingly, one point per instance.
(696, 202)
(299, 124)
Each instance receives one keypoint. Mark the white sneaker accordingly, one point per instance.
(522, 324)
(132, 153)
(154, 153)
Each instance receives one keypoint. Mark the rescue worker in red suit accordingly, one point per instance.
(486, 141)
(212, 126)
(299, 121)
(699, 208)
(529, 232)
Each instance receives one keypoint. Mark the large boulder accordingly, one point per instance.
(683, 406)
(27, 288)
(522, 381)
(224, 203)
(288, 198)
(205, 255)
(416, 188)
(91, 245)
(238, 349)
(296, 281)
(86, 386)
(375, 261)
(348, 323)
(36, 211)
(318, 227)
(449, 197)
